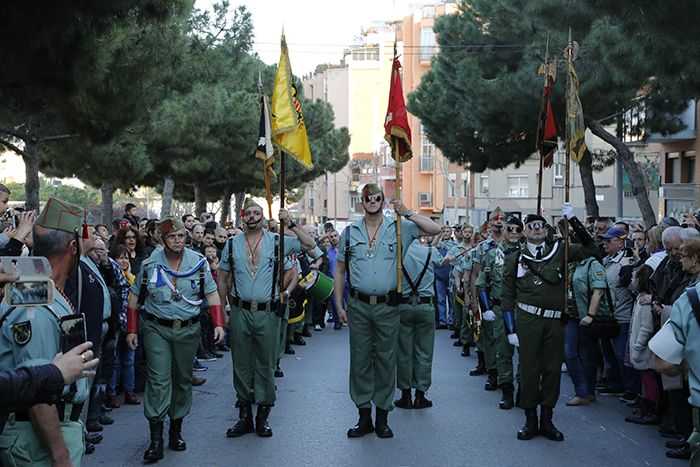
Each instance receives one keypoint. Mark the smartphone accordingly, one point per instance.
(33, 287)
(73, 331)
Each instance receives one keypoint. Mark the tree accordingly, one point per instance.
(480, 104)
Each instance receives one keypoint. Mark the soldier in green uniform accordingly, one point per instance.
(170, 287)
(533, 301)
(463, 234)
(45, 435)
(249, 270)
(417, 332)
(490, 284)
(487, 339)
(368, 250)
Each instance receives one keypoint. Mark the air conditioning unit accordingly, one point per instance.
(425, 200)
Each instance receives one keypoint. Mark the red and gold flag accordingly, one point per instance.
(396, 130)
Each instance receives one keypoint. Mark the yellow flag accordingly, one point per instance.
(574, 118)
(288, 128)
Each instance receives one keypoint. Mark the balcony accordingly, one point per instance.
(680, 191)
(426, 164)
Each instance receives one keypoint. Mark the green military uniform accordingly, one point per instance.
(374, 323)
(456, 305)
(487, 338)
(170, 330)
(31, 336)
(466, 333)
(417, 331)
(255, 319)
(541, 334)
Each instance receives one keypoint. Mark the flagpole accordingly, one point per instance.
(283, 177)
(399, 246)
(539, 130)
(567, 170)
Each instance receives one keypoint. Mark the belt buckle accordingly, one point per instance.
(177, 324)
(372, 299)
(414, 299)
(253, 306)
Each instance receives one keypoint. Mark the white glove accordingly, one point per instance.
(513, 340)
(489, 316)
(567, 210)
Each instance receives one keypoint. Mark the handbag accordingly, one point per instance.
(602, 327)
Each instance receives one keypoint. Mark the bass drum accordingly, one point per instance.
(296, 305)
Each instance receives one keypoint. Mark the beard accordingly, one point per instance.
(254, 225)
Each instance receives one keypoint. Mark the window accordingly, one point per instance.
(465, 185)
(688, 167)
(484, 185)
(311, 203)
(427, 151)
(428, 46)
(366, 53)
(451, 185)
(673, 168)
(517, 186)
(428, 12)
(425, 200)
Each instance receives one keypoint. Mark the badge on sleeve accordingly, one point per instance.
(22, 332)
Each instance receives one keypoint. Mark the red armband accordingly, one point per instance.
(217, 315)
(132, 320)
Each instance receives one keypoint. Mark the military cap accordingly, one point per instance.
(59, 215)
(514, 220)
(170, 224)
(371, 189)
(249, 203)
(534, 217)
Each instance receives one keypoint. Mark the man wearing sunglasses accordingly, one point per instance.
(487, 344)
(367, 251)
(533, 301)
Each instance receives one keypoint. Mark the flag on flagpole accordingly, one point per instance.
(265, 150)
(396, 130)
(547, 135)
(288, 128)
(576, 127)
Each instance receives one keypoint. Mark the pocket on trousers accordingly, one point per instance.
(13, 452)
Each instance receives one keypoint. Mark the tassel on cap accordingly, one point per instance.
(86, 231)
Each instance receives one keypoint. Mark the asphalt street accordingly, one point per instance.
(314, 410)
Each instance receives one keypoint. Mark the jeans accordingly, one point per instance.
(123, 367)
(579, 353)
(441, 287)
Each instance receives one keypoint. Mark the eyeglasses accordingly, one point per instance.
(536, 225)
(373, 198)
(515, 229)
(129, 237)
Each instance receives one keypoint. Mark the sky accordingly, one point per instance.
(317, 30)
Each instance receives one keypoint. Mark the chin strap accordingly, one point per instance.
(509, 321)
(217, 315)
(132, 320)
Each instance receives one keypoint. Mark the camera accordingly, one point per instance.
(33, 287)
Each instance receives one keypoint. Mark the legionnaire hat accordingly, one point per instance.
(371, 189)
(534, 217)
(498, 212)
(170, 224)
(514, 220)
(59, 215)
(249, 203)
(614, 232)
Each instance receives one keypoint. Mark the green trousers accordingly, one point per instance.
(504, 351)
(20, 446)
(456, 311)
(466, 332)
(487, 343)
(283, 332)
(255, 337)
(374, 332)
(169, 356)
(416, 340)
(541, 355)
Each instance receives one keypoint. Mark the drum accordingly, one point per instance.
(296, 306)
(318, 285)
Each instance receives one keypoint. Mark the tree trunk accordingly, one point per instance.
(168, 189)
(31, 170)
(107, 190)
(240, 197)
(200, 202)
(226, 206)
(586, 171)
(635, 174)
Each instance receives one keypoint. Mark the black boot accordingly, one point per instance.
(305, 331)
(382, 424)
(244, 425)
(262, 428)
(506, 402)
(457, 343)
(363, 426)
(547, 428)
(492, 381)
(530, 429)
(466, 350)
(421, 402)
(405, 402)
(176, 441)
(481, 366)
(154, 453)
(454, 335)
(288, 349)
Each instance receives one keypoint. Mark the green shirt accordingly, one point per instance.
(491, 273)
(687, 332)
(160, 301)
(589, 275)
(44, 338)
(414, 261)
(373, 271)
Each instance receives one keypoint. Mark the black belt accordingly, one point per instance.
(413, 300)
(75, 411)
(172, 323)
(372, 299)
(254, 306)
(495, 301)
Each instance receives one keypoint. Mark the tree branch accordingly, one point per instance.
(12, 147)
(15, 134)
(57, 137)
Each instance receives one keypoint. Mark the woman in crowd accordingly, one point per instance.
(131, 239)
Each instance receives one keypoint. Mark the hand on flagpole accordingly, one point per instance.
(399, 207)
(284, 217)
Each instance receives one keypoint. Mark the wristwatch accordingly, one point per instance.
(291, 224)
(408, 214)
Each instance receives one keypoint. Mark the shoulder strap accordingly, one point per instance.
(347, 255)
(7, 314)
(275, 268)
(201, 283)
(143, 290)
(414, 287)
(694, 302)
(233, 269)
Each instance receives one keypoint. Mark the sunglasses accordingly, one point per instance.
(373, 198)
(515, 229)
(535, 225)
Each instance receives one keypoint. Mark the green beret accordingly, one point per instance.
(371, 189)
(249, 203)
(59, 215)
(170, 224)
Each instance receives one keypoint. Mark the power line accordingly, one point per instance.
(405, 46)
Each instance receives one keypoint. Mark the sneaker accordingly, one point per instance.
(198, 366)
(576, 401)
(318, 327)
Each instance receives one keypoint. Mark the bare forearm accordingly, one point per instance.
(48, 428)
(595, 302)
(213, 298)
(426, 224)
(222, 285)
(339, 283)
(307, 242)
